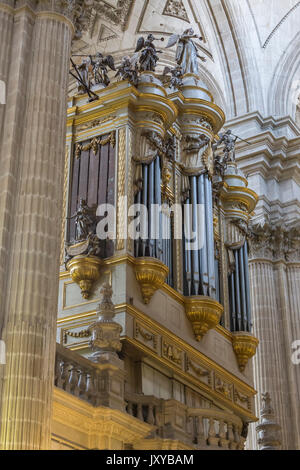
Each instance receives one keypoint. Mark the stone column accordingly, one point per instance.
(6, 28)
(274, 305)
(30, 305)
(269, 362)
(15, 36)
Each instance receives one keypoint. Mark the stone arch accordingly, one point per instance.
(285, 88)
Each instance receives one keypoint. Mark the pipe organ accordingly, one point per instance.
(172, 161)
(176, 253)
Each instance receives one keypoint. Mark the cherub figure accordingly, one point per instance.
(186, 53)
(149, 54)
(176, 76)
(100, 68)
(128, 70)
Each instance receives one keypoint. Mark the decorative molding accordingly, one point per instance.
(141, 332)
(76, 334)
(280, 24)
(95, 123)
(118, 15)
(224, 388)
(172, 353)
(242, 399)
(185, 351)
(176, 9)
(95, 143)
(200, 372)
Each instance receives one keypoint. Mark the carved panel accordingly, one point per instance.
(224, 388)
(75, 335)
(202, 374)
(145, 336)
(176, 8)
(172, 353)
(242, 400)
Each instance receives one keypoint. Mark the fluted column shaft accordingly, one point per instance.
(15, 40)
(6, 28)
(32, 272)
(270, 362)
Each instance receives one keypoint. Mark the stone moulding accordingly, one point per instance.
(204, 313)
(151, 274)
(244, 346)
(85, 271)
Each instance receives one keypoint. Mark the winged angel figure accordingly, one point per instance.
(149, 53)
(186, 53)
(100, 68)
(128, 69)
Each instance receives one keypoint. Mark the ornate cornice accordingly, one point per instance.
(275, 242)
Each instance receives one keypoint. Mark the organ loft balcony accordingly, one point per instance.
(154, 341)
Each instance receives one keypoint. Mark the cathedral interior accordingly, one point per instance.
(150, 225)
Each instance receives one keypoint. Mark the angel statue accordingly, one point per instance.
(128, 70)
(148, 57)
(85, 220)
(229, 141)
(176, 76)
(99, 67)
(186, 53)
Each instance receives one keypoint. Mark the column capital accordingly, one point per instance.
(77, 11)
(275, 242)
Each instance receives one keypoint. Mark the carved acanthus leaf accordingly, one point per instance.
(275, 241)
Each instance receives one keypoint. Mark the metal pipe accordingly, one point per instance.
(243, 288)
(144, 219)
(194, 254)
(233, 320)
(158, 201)
(150, 242)
(187, 232)
(210, 236)
(247, 283)
(203, 251)
(237, 290)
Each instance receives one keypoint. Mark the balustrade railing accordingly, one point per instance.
(204, 427)
(145, 408)
(76, 375)
(212, 427)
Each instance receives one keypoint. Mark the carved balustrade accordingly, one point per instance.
(76, 375)
(199, 426)
(217, 428)
(143, 407)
